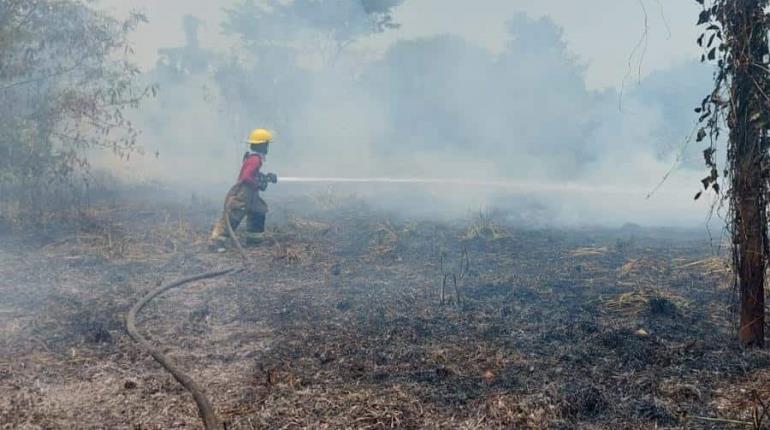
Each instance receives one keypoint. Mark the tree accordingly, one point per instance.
(185, 75)
(736, 38)
(444, 95)
(188, 59)
(287, 48)
(331, 24)
(65, 83)
(427, 86)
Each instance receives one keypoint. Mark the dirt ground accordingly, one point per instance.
(351, 318)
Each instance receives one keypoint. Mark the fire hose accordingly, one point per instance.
(205, 410)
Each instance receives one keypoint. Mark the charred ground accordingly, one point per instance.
(339, 323)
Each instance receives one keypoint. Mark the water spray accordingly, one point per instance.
(516, 187)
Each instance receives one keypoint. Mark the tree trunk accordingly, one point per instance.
(749, 44)
(750, 262)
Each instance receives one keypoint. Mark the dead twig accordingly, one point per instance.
(455, 277)
(759, 411)
(723, 420)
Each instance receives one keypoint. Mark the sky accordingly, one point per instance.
(603, 34)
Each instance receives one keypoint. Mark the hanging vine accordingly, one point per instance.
(735, 38)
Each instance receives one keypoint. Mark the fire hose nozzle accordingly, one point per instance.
(263, 180)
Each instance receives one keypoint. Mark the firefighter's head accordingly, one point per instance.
(259, 140)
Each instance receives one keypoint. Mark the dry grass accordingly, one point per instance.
(305, 226)
(588, 251)
(334, 327)
(383, 239)
(645, 300)
(482, 226)
(708, 265)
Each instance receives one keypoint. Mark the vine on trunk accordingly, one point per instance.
(735, 38)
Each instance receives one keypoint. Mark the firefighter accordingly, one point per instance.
(243, 199)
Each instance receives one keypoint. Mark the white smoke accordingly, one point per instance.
(436, 107)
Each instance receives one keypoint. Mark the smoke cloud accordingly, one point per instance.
(430, 106)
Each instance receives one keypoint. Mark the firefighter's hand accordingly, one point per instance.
(272, 178)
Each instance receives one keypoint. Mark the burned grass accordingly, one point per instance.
(340, 323)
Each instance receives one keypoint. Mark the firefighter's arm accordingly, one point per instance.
(250, 173)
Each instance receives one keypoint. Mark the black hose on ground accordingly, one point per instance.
(206, 412)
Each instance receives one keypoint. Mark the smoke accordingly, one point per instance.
(435, 106)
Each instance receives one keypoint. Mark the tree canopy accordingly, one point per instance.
(65, 81)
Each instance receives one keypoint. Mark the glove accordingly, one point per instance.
(263, 180)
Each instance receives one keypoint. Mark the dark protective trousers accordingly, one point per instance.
(242, 202)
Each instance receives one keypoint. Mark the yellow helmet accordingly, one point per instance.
(259, 136)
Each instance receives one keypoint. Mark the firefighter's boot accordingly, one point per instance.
(218, 244)
(255, 228)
